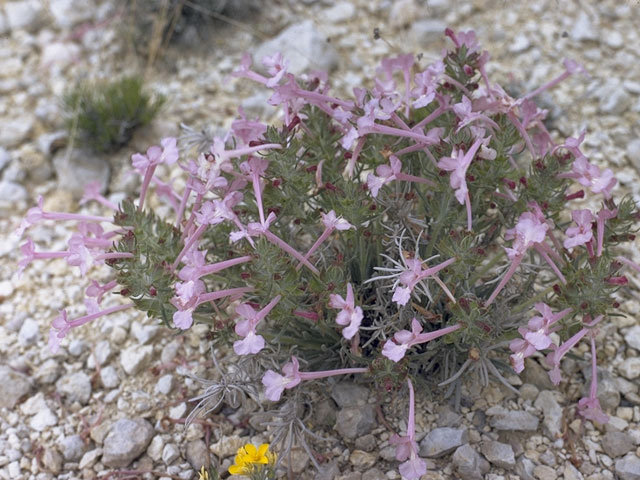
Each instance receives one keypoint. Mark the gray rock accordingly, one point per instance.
(43, 419)
(164, 385)
(29, 331)
(155, 448)
(169, 352)
(632, 337)
(571, 473)
(127, 440)
(15, 131)
(349, 394)
(352, 422)
(447, 417)
(499, 454)
(75, 386)
(613, 99)
(11, 193)
(552, 413)
(442, 441)
(77, 347)
(144, 333)
(24, 15)
(101, 354)
(197, 454)
(469, 464)
(366, 443)
(503, 419)
(52, 460)
(428, 32)
(67, 13)
(543, 472)
(13, 386)
(109, 377)
(76, 168)
(536, 375)
(73, 448)
(48, 372)
(614, 39)
(328, 472)
(630, 368)
(520, 44)
(583, 29)
(340, 12)
(134, 359)
(628, 468)
(617, 444)
(170, 453)
(51, 142)
(608, 391)
(524, 468)
(304, 47)
(90, 458)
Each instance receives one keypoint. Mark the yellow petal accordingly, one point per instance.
(237, 470)
(251, 449)
(262, 449)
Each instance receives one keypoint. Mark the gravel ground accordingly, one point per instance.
(116, 393)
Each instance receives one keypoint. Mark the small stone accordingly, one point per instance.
(15, 131)
(164, 385)
(303, 46)
(109, 377)
(67, 13)
(428, 32)
(99, 432)
(366, 442)
(349, 394)
(102, 353)
(630, 368)
(374, 474)
(52, 460)
(328, 471)
(135, 359)
(72, 448)
(524, 468)
(571, 473)
(362, 460)
(520, 44)
(127, 440)
(34, 404)
(13, 386)
(536, 375)
(552, 413)
(75, 386)
(616, 424)
(170, 453)
(90, 458)
(77, 347)
(339, 12)
(447, 417)
(352, 422)
(197, 454)
(24, 15)
(614, 39)
(29, 331)
(155, 448)
(499, 454)
(48, 372)
(543, 472)
(442, 441)
(617, 444)
(227, 446)
(583, 28)
(529, 391)
(75, 168)
(169, 352)
(628, 468)
(632, 337)
(299, 460)
(11, 193)
(43, 419)
(144, 333)
(469, 464)
(514, 420)
(178, 411)
(614, 100)
(14, 470)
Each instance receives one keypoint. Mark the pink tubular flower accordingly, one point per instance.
(61, 325)
(528, 231)
(405, 339)
(331, 222)
(603, 214)
(589, 407)
(275, 383)
(251, 343)
(555, 356)
(589, 175)
(349, 314)
(582, 234)
(388, 173)
(155, 156)
(458, 164)
(464, 111)
(414, 275)
(407, 447)
(189, 297)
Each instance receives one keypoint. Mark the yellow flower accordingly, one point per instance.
(249, 456)
(203, 474)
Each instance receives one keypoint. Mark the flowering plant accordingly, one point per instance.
(427, 228)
